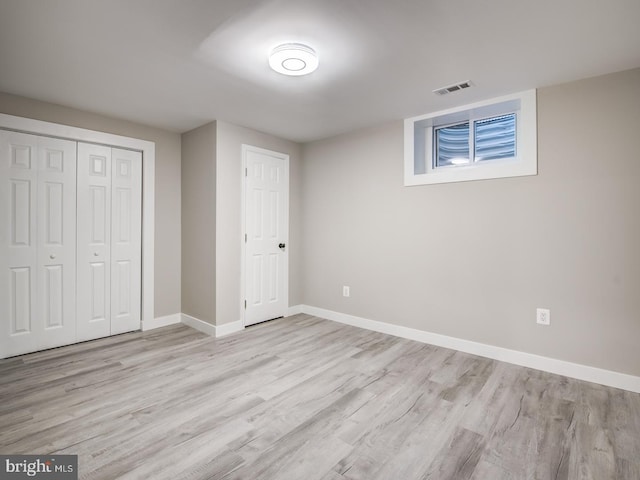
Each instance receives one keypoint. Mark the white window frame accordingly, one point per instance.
(418, 142)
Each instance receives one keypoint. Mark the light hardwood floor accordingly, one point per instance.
(304, 398)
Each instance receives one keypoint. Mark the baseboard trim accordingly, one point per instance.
(537, 362)
(160, 322)
(229, 328)
(200, 325)
(295, 310)
(213, 330)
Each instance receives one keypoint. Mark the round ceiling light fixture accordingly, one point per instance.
(293, 59)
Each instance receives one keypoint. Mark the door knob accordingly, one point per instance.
(52, 256)
(95, 254)
(281, 246)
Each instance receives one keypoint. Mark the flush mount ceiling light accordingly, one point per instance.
(293, 59)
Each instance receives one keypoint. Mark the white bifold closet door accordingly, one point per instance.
(109, 241)
(70, 242)
(37, 243)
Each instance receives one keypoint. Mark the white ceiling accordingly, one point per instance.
(178, 64)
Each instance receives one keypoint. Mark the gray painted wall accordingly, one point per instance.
(473, 260)
(167, 184)
(229, 212)
(199, 223)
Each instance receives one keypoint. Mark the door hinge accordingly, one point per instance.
(246, 172)
(245, 238)
(245, 304)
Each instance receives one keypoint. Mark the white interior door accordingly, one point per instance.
(126, 236)
(94, 241)
(37, 243)
(267, 231)
(109, 241)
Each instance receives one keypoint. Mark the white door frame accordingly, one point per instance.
(243, 249)
(148, 149)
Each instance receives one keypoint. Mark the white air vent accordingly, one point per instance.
(452, 88)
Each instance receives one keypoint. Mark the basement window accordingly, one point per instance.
(493, 139)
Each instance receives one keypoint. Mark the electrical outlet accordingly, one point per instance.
(543, 316)
(345, 291)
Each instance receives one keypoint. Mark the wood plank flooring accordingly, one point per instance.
(304, 398)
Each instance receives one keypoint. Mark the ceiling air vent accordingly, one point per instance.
(452, 88)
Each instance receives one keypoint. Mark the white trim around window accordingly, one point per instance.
(419, 165)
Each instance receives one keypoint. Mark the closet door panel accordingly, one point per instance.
(18, 189)
(56, 226)
(37, 242)
(126, 245)
(94, 238)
